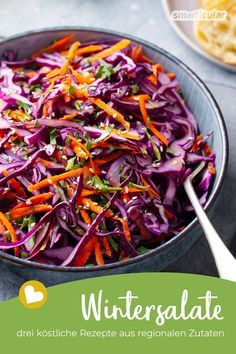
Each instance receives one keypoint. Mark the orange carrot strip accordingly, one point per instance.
(19, 115)
(96, 244)
(93, 206)
(69, 58)
(114, 48)
(46, 163)
(207, 150)
(171, 75)
(157, 68)
(54, 179)
(2, 231)
(56, 46)
(136, 190)
(82, 259)
(143, 110)
(135, 98)
(135, 53)
(113, 156)
(14, 184)
(69, 116)
(150, 189)
(211, 168)
(89, 49)
(98, 251)
(196, 143)
(110, 111)
(144, 58)
(125, 227)
(82, 79)
(83, 147)
(33, 209)
(30, 74)
(124, 134)
(106, 246)
(153, 79)
(36, 199)
(85, 216)
(11, 230)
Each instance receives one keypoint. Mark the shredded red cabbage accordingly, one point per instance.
(96, 141)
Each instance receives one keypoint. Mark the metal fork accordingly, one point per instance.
(225, 262)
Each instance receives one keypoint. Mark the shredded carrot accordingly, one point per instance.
(145, 59)
(69, 58)
(19, 115)
(169, 214)
(55, 179)
(153, 79)
(93, 206)
(82, 78)
(47, 107)
(36, 199)
(211, 168)
(123, 134)
(135, 98)
(98, 251)
(125, 227)
(33, 209)
(69, 116)
(2, 231)
(106, 246)
(11, 230)
(88, 49)
(151, 191)
(30, 74)
(136, 190)
(46, 163)
(82, 258)
(207, 150)
(157, 68)
(143, 109)
(113, 156)
(85, 152)
(111, 112)
(56, 46)
(107, 52)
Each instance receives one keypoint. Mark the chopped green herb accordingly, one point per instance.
(142, 250)
(135, 89)
(98, 184)
(71, 90)
(36, 88)
(37, 124)
(23, 105)
(104, 71)
(70, 163)
(78, 104)
(155, 148)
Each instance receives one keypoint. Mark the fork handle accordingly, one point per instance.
(225, 262)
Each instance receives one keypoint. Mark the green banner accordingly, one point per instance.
(136, 313)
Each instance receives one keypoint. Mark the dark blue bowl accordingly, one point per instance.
(208, 116)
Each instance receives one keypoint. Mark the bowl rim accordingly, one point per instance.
(222, 172)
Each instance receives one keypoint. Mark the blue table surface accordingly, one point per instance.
(147, 20)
